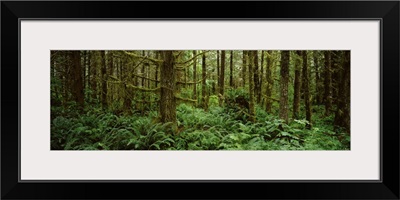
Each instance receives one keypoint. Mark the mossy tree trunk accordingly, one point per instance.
(195, 77)
(103, 80)
(204, 96)
(297, 84)
(318, 89)
(244, 68)
(270, 82)
(328, 83)
(257, 86)
(251, 57)
(222, 78)
(218, 70)
(283, 102)
(306, 89)
(231, 71)
(261, 77)
(167, 100)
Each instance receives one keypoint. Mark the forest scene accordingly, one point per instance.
(200, 100)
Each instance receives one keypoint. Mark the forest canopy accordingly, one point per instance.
(200, 100)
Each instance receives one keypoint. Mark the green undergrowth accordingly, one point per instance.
(217, 129)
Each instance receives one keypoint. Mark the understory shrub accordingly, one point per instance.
(218, 129)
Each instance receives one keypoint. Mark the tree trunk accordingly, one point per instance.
(88, 85)
(256, 77)
(204, 99)
(335, 76)
(297, 85)
(231, 71)
(126, 76)
(142, 71)
(84, 69)
(342, 115)
(222, 78)
(66, 77)
(251, 60)
(185, 76)
(103, 80)
(195, 76)
(168, 101)
(244, 61)
(111, 72)
(283, 102)
(261, 77)
(158, 66)
(94, 77)
(218, 71)
(328, 83)
(270, 82)
(318, 89)
(77, 77)
(306, 89)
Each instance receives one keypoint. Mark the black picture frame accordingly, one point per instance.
(386, 11)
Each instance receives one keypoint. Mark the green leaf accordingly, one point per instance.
(283, 133)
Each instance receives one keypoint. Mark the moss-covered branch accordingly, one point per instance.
(137, 75)
(191, 59)
(273, 99)
(143, 89)
(145, 57)
(185, 99)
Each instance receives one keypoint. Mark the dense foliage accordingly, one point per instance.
(200, 100)
(218, 129)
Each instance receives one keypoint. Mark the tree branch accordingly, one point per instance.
(271, 98)
(142, 88)
(180, 63)
(145, 57)
(185, 99)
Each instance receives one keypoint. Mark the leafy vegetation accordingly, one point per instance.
(218, 129)
(200, 100)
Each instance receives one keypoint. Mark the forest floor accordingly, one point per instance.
(221, 128)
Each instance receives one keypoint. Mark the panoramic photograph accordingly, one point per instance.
(270, 100)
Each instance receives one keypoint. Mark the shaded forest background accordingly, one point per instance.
(200, 100)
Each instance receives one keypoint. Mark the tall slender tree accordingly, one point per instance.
(222, 78)
(342, 114)
(126, 76)
(270, 82)
(195, 76)
(167, 100)
(89, 55)
(251, 60)
(204, 99)
(231, 71)
(84, 56)
(157, 68)
(318, 89)
(244, 67)
(257, 87)
(111, 73)
(77, 74)
(306, 89)
(94, 77)
(218, 70)
(297, 84)
(328, 83)
(143, 68)
(261, 75)
(104, 77)
(283, 102)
